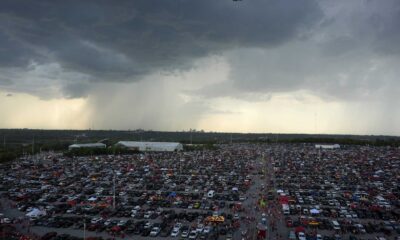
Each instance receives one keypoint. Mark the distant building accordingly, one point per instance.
(151, 146)
(86, 145)
(326, 146)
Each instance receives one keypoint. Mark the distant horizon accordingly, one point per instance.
(200, 131)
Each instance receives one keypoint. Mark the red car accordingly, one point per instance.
(289, 222)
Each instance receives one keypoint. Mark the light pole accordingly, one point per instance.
(84, 227)
(180, 167)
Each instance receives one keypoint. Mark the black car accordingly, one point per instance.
(166, 232)
(146, 232)
(48, 236)
(138, 230)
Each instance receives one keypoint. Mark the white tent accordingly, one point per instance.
(87, 145)
(314, 211)
(151, 146)
(92, 199)
(326, 146)
(35, 213)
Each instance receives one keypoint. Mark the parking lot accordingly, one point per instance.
(238, 191)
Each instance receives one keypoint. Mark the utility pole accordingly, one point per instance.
(180, 167)
(33, 146)
(33, 150)
(114, 191)
(266, 166)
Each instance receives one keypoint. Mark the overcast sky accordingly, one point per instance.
(240, 66)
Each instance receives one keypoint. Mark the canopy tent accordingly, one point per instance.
(313, 223)
(151, 146)
(172, 195)
(216, 219)
(299, 229)
(263, 203)
(36, 213)
(116, 228)
(283, 199)
(314, 211)
(92, 199)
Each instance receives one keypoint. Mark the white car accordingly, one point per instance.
(154, 231)
(360, 227)
(193, 234)
(200, 228)
(159, 211)
(121, 223)
(178, 225)
(175, 232)
(71, 210)
(207, 229)
(264, 221)
(319, 237)
(185, 234)
(148, 225)
(95, 220)
(302, 236)
(148, 214)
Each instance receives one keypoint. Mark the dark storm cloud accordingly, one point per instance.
(11, 53)
(126, 40)
(351, 54)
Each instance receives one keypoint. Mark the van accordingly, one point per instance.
(335, 225)
(285, 209)
(292, 235)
